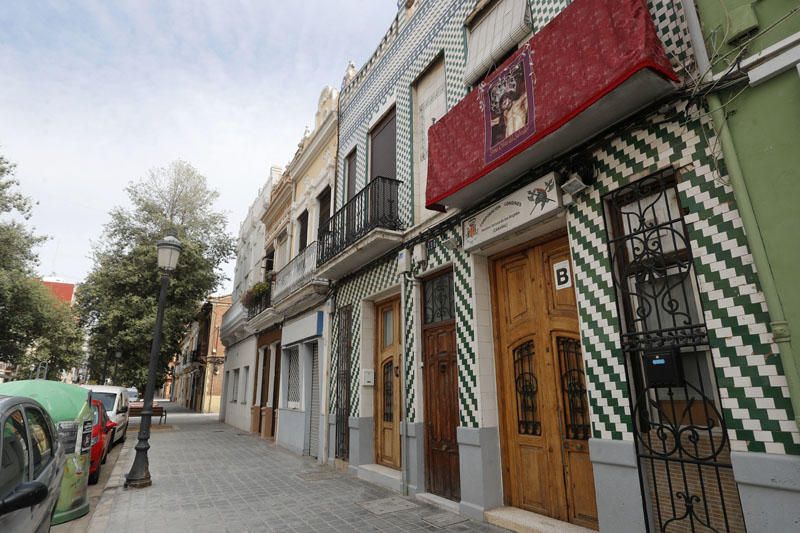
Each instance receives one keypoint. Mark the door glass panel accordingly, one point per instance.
(439, 299)
(14, 462)
(573, 389)
(526, 386)
(388, 392)
(388, 327)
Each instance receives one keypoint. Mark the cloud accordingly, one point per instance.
(95, 93)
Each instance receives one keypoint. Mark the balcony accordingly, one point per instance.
(364, 228)
(296, 288)
(234, 324)
(547, 99)
(261, 313)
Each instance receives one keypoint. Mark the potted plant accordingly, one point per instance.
(252, 296)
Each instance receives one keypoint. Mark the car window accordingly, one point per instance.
(95, 415)
(14, 452)
(41, 440)
(108, 399)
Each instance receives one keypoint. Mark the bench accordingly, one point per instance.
(158, 411)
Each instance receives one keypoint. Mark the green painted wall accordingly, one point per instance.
(765, 125)
(718, 17)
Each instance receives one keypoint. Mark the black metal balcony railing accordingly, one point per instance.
(374, 206)
(261, 303)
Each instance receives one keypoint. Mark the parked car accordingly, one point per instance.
(101, 440)
(31, 465)
(115, 400)
(69, 408)
(133, 394)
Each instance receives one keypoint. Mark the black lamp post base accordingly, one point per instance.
(138, 483)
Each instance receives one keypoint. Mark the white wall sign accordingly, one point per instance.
(562, 276)
(518, 209)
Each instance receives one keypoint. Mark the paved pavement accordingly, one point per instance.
(209, 476)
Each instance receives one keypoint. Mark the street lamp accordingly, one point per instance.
(169, 249)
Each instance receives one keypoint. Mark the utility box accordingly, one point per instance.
(368, 377)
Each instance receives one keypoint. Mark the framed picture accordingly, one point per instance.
(507, 102)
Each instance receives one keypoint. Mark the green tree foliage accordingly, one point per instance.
(34, 325)
(117, 302)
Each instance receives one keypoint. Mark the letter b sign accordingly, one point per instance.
(562, 275)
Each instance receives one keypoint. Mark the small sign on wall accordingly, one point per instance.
(562, 275)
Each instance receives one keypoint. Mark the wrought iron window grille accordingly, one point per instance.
(681, 437)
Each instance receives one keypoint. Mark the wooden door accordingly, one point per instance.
(440, 381)
(387, 384)
(541, 385)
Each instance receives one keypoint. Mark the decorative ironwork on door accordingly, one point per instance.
(573, 389)
(528, 420)
(681, 438)
(343, 384)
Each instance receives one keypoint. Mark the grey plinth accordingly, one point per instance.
(617, 487)
(480, 468)
(362, 441)
(769, 487)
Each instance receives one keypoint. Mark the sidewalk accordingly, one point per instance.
(209, 476)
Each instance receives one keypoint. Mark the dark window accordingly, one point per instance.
(302, 221)
(350, 163)
(41, 440)
(269, 261)
(324, 200)
(14, 450)
(383, 148)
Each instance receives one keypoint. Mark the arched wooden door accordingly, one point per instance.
(541, 385)
(387, 384)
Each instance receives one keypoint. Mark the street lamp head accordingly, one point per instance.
(169, 249)
(118, 355)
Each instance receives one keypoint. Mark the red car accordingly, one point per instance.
(101, 439)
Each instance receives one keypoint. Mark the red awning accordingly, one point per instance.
(596, 63)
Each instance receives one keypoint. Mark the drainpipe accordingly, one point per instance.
(778, 324)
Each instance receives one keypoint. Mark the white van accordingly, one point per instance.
(115, 400)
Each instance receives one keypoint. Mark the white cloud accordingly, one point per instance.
(95, 93)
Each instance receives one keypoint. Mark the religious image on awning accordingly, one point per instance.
(508, 107)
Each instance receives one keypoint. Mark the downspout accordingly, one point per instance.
(778, 324)
(332, 311)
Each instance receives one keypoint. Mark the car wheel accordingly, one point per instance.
(95, 476)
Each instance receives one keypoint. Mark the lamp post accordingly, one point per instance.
(169, 249)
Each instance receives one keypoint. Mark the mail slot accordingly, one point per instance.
(663, 368)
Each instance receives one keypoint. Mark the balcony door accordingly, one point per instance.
(387, 384)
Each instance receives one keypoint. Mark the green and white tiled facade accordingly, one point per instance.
(752, 388)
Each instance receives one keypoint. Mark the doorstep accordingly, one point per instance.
(438, 501)
(523, 521)
(381, 475)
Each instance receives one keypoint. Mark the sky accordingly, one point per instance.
(95, 93)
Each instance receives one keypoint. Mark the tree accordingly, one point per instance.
(22, 320)
(117, 301)
(60, 345)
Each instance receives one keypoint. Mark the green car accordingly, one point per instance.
(70, 409)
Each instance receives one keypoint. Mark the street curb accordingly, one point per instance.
(115, 483)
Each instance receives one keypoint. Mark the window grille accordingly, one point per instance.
(681, 438)
(293, 386)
